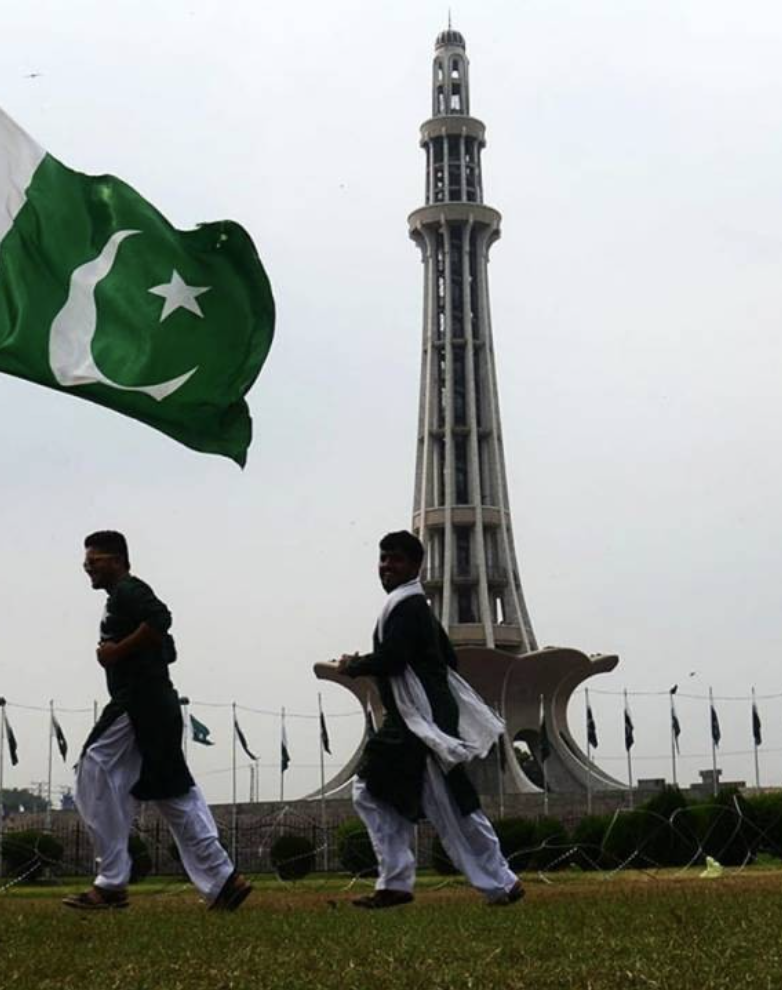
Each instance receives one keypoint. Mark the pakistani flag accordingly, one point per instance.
(243, 741)
(716, 735)
(200, 732)
(59, 735)
(629, 730)
(591, 728)
(757, 733)
(12, 747)
(285, 756)
(100, 296)
(676, 728)
(325, 742)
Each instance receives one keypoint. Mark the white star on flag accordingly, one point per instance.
(179, 295)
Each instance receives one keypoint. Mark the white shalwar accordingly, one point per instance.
(469, 840)
(104, 777)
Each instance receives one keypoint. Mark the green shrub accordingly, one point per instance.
(140, 859)
(517, 840)
(726, 828)
(28, 853)
(292, 856)
(766, 815)
(665, 833)
(551, 845)
(588, 838)
(622, 839)
(354, 849)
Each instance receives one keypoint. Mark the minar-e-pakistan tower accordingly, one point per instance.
(461, 508)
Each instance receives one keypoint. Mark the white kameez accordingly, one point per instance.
(104, 777)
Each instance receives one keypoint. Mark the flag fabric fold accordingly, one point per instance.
(676, 728)
(757, 733)
(102, 297)
(544, 741)
(285, 757)
(199, 732)
(59, 735)
(629, 730)
(324, 735)
(11, 740)
(591, 728)
(243, 741)
(716, 735)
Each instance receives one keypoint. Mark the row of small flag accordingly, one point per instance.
(676, 729)
(199, 732)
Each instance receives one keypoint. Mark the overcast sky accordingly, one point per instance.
(635, 152)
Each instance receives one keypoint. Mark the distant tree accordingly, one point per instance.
(16, 800)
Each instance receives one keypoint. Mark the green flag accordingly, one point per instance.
(200, 732)
(100, 296)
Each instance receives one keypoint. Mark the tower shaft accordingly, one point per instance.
(461, 509)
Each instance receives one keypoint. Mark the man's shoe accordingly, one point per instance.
(512, 896)
(383, 899)
(97, 899)
(234, 893)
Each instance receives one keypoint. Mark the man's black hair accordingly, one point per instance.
(108, 541)
(406, 544)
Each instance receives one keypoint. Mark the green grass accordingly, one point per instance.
(580, 931)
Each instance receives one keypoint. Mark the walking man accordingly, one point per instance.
(414, 766)
(134, 752)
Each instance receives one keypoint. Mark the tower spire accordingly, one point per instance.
(461, 509)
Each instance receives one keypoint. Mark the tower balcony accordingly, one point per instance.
(495, 575)
(453, 125)
(455, 212)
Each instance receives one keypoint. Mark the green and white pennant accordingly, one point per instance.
(100, 296)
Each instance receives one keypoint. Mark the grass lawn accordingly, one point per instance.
(579, 931)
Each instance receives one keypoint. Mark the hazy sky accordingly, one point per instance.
(635, 153)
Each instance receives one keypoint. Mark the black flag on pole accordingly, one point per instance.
(243, 741)
(545, 743)
(324, 735)
(591, 728)
(675, 728)
(716, 735)
(59, 735)
(285, 756)
(757, 735)
(629, 731)
(12, 750)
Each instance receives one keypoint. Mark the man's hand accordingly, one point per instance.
(344, 660)
(108, 653)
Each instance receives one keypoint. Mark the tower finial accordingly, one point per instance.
(450, 25)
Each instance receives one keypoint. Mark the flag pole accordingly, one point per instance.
(94, 712)
(543, 762)
(629, 762)
(589, 756)
(233, 783)
(754, 741)
(673, 741)
(323, 815)
(2, 765)
(282, 737)
(713, 745)
(257, 781)
(48, 816)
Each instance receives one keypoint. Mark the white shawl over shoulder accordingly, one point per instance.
(479, 725)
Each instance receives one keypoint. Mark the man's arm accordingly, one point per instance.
(391, 656)
(138, 602)
(110, 652)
